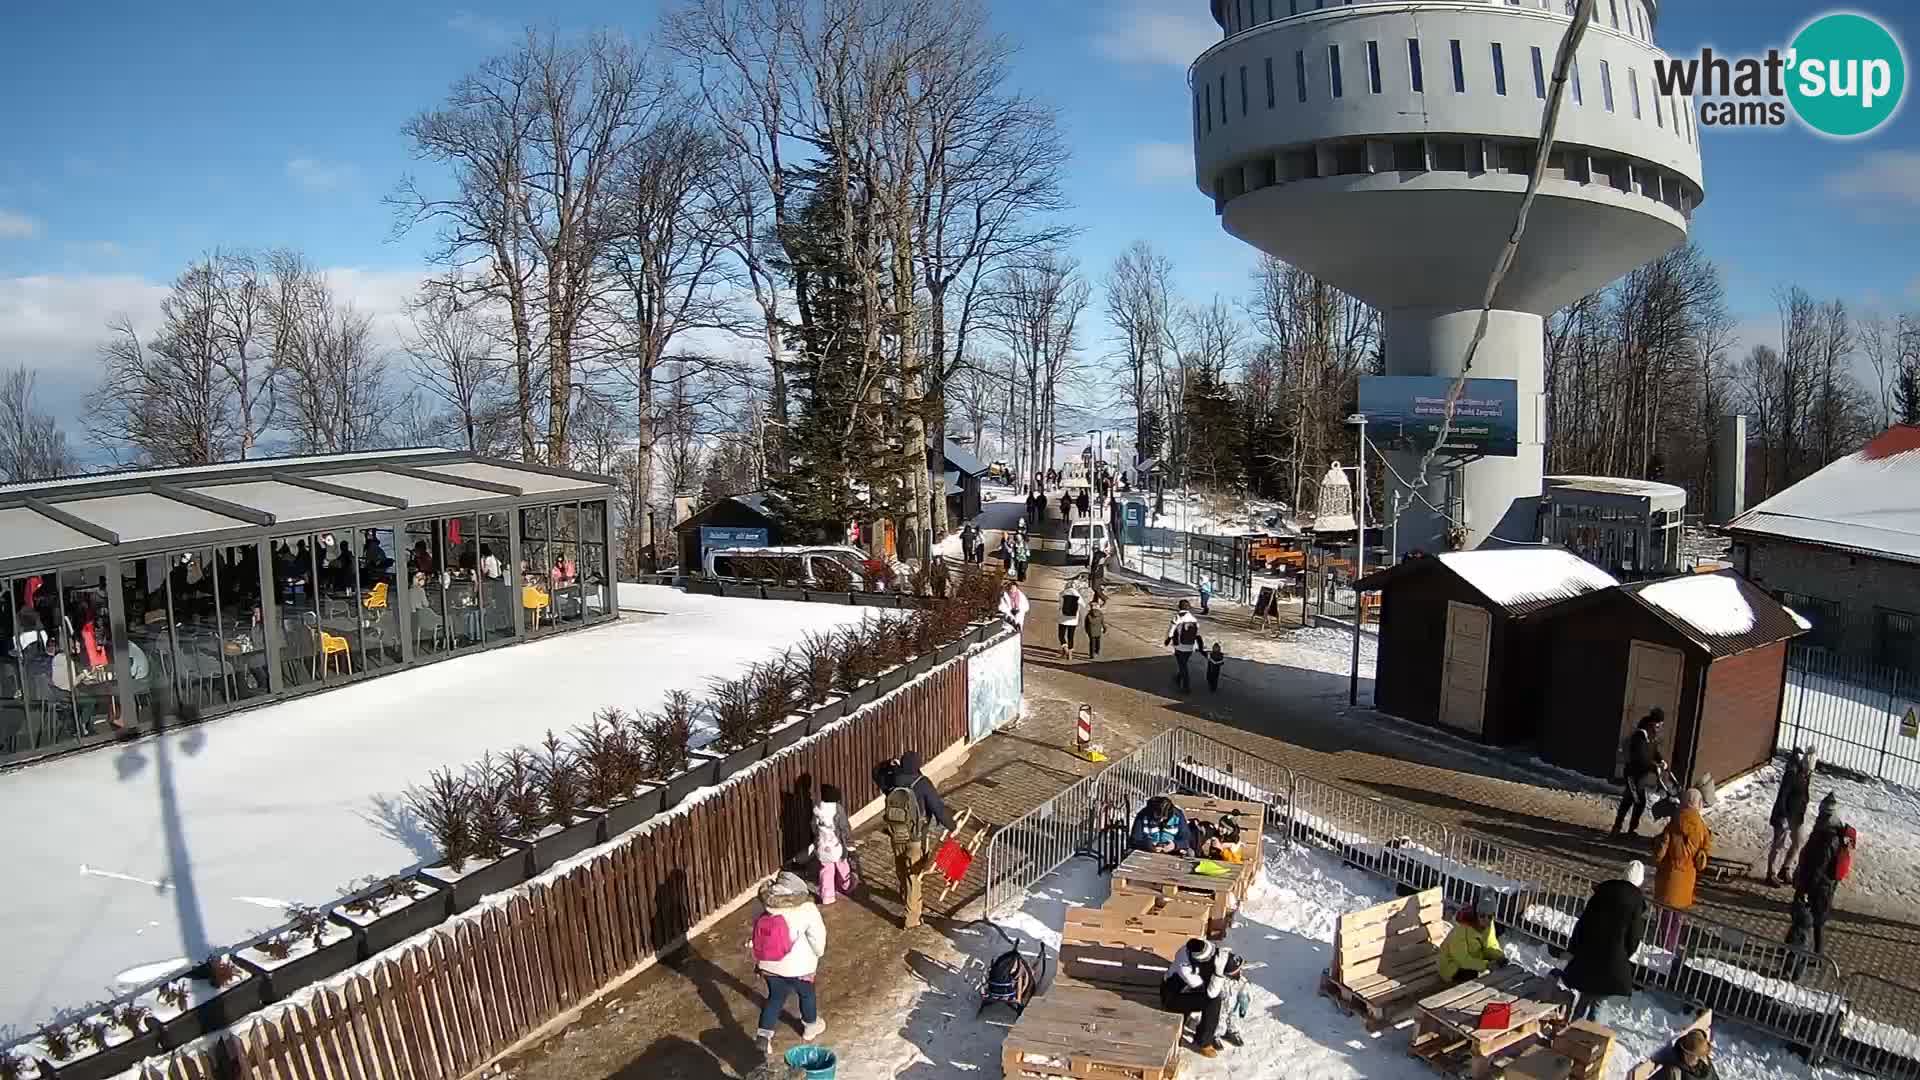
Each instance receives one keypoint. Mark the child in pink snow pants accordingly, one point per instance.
(832, 844)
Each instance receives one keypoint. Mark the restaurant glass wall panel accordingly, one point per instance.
(536, 599)
(461, 543)
(593, 559)
(83, 672)
(338, 565)
(316, 580)
(564, 572)
(32, 710)
(150, 628)
(427, 594)
(379, 598)
(498, 593)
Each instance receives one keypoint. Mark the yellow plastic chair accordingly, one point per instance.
(535, 601)
(376, 597)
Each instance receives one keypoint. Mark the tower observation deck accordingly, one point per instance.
(1385, 146)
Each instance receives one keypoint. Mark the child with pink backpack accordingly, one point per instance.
(789, 938)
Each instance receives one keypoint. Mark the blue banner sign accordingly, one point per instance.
(714, 538)
(1405, 412)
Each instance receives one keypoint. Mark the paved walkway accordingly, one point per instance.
(694, 1015)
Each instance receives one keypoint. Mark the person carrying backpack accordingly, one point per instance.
(912, 805)
(789, 938)
(1824, 863)
(1184, 635)
(1071, 603)
(832, 844)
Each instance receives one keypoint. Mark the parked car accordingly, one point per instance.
(1077, 539)
(805, 565)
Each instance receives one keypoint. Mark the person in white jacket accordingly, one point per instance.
(1197, 981)
(1184, 635)
(789, 938)
(1073, 603)
(1013, 606)
(832, 844)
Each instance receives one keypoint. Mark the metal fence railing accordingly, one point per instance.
(1862, 1021)
(1854, 712)
(1089, 817)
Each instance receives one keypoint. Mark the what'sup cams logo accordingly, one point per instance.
(1844, 76)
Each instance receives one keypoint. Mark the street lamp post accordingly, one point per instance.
(1359, 421)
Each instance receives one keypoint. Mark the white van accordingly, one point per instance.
(1077, 538)
(800, 564)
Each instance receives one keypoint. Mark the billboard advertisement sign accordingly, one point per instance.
(714, 538)
(1405, 412)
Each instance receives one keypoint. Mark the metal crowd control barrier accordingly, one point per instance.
(1862, 1022)
(1091, 817)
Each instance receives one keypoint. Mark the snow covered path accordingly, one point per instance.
(294, 801)
(1292, 1032)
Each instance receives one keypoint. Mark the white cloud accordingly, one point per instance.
(484, 27)
(317, 175)
(1169, 32)
(101, 249)
(1158, 164)
(17, 226)
(1881, 176)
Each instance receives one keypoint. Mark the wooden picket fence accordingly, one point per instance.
(475, 986)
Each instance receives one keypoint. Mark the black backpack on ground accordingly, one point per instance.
(1012, 980)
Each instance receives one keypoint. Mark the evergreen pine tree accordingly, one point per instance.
(1906, 395)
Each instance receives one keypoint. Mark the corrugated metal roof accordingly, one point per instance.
(1698, 605)
(175, 474)
(959, 458)
(1524, 580)
(1867, 502)
(1619, 485)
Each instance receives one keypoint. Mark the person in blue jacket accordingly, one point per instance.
(1161, 827)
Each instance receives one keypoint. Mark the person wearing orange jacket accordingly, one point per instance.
(1679, 856)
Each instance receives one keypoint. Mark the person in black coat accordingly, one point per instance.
(1789, 816)
(1644, 762)
(1600, 964)
(1815, 880)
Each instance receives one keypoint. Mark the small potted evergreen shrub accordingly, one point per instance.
(887, 642)
(743, 727)
(213, 994)
(107, 1042)
(786, 582)
(780, 697)
(816, 662)
(855, 666)
(310, 947)
(566, 827)
(386, 911)
(833, 583)
(467, 817)
(613, 772)
(666, 736)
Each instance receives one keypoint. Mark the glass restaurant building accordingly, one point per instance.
(227, 585)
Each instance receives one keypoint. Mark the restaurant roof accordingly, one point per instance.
(44, 523)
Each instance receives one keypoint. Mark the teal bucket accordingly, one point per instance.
(818, 1061)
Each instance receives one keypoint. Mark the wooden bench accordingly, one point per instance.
(1125, 949)
(1250, 816)
(1078, 1031)
(1385, 958)
(1649, 1068)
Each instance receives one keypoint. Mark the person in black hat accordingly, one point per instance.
(1644, 762)
(1197, 981)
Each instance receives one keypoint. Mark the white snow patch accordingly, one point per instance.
(1710, 603)
(255, 789)
(1799, 620)
(1510, 576)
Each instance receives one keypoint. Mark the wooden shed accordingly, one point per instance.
(1461, 639)
(735, 521)
(1709, 649)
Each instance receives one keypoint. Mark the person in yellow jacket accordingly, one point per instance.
(1471, 949)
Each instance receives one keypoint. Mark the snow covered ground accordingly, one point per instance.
(1291, 1032)
(1887, 864)
(293, 801)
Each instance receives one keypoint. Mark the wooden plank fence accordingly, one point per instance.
(475, 986)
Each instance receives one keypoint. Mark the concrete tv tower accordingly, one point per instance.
(1385, 147)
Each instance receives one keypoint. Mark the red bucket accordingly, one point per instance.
(1496, 1016)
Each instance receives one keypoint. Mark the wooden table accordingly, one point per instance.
(1173, 875)
(1449, 1035)
(1074, 1030)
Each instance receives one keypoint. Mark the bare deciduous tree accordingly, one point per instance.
(450, 353)
(166, 401)
(32, 446)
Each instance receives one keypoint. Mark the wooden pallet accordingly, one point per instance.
(1589, 1045)
(1252, 819)
(1173, 876)
(1085, 1033)
(1385, 956)
(1446, 1034)
(1101, 946)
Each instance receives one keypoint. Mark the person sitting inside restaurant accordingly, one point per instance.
(1471, 949)
(1161, 828)
(489, 563)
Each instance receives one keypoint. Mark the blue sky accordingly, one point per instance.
(139, 135)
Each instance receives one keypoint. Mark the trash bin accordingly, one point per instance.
(818, 1061)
